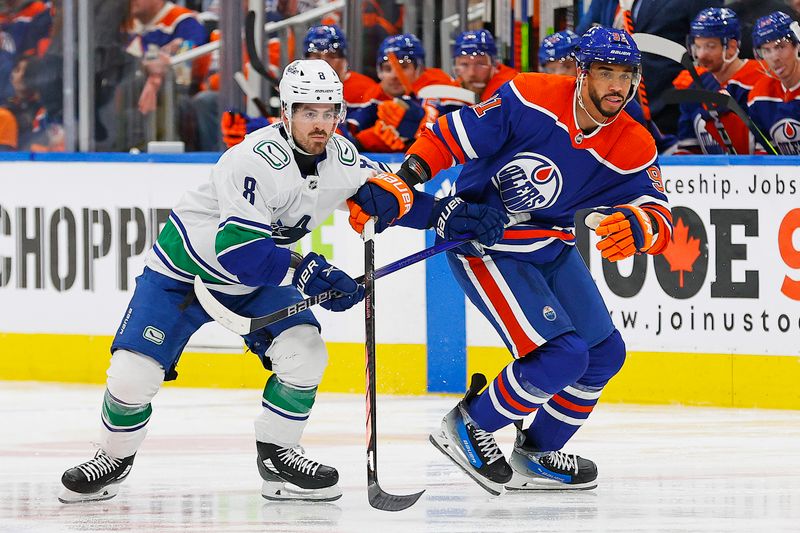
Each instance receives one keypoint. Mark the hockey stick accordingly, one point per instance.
(377, 497)
(252, 51)
(258, 102)
(243, 325)
(398, 71)
(679, 96)
(447, 92)
(660, 46)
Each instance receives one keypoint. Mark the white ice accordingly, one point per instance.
(661, 468)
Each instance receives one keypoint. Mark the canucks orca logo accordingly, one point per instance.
(283, 235)
(786, 135)
(530, 181)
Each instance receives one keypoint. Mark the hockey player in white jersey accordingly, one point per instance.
(235, 232)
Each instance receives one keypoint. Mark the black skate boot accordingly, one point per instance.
(535, 470)
(288, 475)
(96, 479)
(470, 447)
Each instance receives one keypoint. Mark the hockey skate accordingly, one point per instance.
(288, 475)
(471, 448)
(95, 480)
(556, 470)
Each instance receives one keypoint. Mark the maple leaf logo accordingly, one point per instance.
(682, 251)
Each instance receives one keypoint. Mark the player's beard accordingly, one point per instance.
(598, 102)
(314, 146)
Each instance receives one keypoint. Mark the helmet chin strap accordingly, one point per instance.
(579, 98)
(287, 123)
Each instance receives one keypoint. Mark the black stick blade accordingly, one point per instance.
(390, 502)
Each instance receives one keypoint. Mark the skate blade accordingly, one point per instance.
(70, 496)
(443, 444)
(520, 482)
(283, 491)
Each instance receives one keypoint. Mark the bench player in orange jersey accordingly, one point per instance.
(714, 43)
(774, 102)
(395, 114)
(476, 65)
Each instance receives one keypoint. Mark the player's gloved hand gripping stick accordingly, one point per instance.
(624, 230)
(244, 325)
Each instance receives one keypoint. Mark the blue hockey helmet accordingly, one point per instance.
(773, 27)
(404, 46)
(718, 22)
(474, 43)
(607, 45)
(610, 46)
(325, 39)
(558, 46)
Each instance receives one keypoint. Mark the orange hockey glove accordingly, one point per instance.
(626, 230)
(234, 127)
(384, 196)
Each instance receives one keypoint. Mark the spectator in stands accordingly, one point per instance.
(8, 51)
(476, 65)
(159, 30)
(395, 114)
(666, 18)
(381, 19)
(24, 29)
(23, 120)
(714, 39)
(774, 101)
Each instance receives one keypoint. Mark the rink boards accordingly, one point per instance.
(713, 322)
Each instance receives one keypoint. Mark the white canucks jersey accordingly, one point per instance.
(256, 191)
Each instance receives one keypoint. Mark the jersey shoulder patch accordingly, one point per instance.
(344, 150)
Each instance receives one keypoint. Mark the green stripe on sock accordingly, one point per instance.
(288, 398)
(123, 416)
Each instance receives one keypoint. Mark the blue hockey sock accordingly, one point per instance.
(526, 383)
(568, 409)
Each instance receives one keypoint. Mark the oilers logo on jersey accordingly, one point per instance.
(786, 134)
(529, 181)
(707, 143)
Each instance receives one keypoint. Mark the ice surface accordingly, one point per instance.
(661, 468)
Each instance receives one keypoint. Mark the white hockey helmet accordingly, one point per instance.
(310, 81)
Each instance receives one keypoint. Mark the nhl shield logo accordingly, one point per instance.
(530, 181)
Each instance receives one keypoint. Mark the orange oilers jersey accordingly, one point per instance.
(776, 111)
(697, 129)
(501, 76)
(358, 87)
